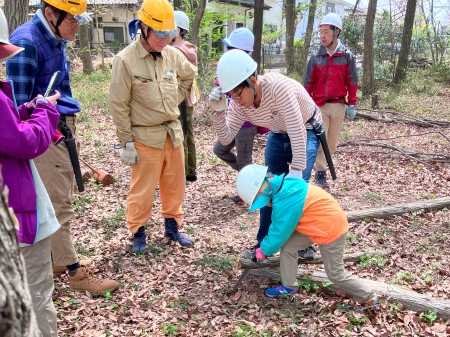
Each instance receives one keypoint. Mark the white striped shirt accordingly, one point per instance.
(285, 107)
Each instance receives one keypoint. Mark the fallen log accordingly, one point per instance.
(389, 211)
(410, 300)
(274, 261)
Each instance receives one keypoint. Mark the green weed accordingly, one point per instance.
(112, 222)
(170, 329)
(225, 263)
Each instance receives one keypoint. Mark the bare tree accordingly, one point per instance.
(400, 72)
(85, 50)
(16, 12)
(308, 36)
(200, 11)
(368, 68)
(291, 14)
(17, 317)
(257, 31)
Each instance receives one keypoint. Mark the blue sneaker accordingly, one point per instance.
(280, 291)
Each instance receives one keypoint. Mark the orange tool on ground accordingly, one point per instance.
(101, 176)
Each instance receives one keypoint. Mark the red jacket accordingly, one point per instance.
(329, 79)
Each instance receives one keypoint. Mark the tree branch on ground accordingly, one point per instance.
(403, 119)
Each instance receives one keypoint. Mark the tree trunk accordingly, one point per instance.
(410, 299)
(390, 211)
(17, 317)
(402, 65)
(290, 32)
(177, 5)
(368, 69)
(274, 261)
(16, 13)
(308, 35)
(197, 21)
(85, 50)
(257, 31)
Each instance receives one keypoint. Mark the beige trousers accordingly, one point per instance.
(56, 171)
(163, 166)
(40, 282)
(332, 120)
(333, 260)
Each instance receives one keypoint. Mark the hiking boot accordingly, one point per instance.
(140, 241)
(307, 254)
(249, 254)
(280, 291)
(321, 179)
(173, 234)
(83, 280)
(59, 270)
(237, 199)
(191, 178)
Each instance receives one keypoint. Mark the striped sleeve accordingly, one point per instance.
(228, 125)
(286, 94)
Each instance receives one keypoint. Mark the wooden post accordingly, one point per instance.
(374, 101)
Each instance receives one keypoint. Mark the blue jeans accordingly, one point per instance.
(277, 155)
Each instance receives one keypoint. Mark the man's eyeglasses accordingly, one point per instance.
(238, 97)
(73, 24)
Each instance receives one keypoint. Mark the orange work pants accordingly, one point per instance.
(163, 166)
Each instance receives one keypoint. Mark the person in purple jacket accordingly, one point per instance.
(25, 133)
(242, 39)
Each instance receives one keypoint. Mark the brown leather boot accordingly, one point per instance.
(85, 281)
(59, 270)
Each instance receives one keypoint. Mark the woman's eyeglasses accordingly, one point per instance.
(238, 97)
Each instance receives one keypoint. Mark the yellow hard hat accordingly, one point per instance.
(74, 7)
(158, 15)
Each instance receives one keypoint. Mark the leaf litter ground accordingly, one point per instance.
(176, 291)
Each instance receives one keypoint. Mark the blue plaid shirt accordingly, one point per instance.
(32, 69)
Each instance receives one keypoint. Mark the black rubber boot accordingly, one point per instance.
(321, 179)
(173, 234)
(140, 241)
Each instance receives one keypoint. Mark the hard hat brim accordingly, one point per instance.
(8, 50)
(262, 200)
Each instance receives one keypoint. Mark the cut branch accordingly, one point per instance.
(389, 211)
(402, 118)
(274, 261)
(415, 156)
(410, 300)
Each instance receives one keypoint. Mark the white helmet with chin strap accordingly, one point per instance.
(241, 38)
(234, 67)
(332, 19)
(181, 20)
(249, 181)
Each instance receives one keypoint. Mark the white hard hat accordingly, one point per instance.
(7, 50)
(241, 38)
(234, 67)
(332, 19)
(249, 181)
(181, 20)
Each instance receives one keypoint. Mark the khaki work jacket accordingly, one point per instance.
(145, 93)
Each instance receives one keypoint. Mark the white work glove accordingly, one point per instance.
(218, 100)
(129, 154)
(294, 174)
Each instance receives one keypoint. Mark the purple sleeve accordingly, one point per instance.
(23, 112)
(29, 139)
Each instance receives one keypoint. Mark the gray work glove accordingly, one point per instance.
(129, 155)
(218, 100)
